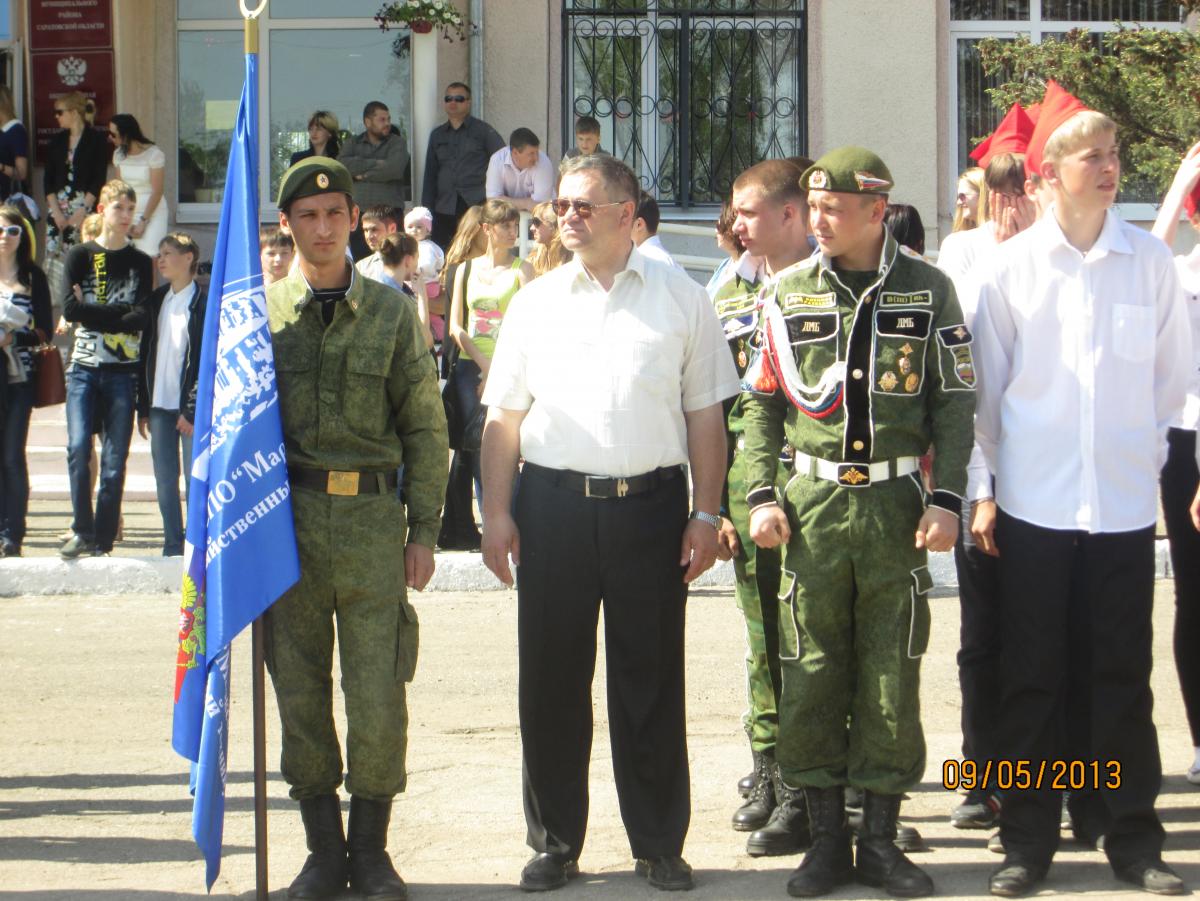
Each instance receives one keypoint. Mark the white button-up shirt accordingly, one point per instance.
(1084, 362)
(606, 376)
(504, 179)
(652, 248)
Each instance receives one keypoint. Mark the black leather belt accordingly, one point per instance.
(604, 487)
(341, 482)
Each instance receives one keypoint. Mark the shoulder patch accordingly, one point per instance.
(793, 302)
(955, 335)
(894, 299)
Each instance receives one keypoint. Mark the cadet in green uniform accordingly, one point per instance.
(359, 399)
(867, 365)
(770, 216)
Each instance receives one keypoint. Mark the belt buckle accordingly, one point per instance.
(854, 475)
(343, 484)
(587, 487)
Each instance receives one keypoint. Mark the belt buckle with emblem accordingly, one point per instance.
(343, 484)
(854, 475)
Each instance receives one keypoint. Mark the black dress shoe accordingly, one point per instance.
(1152, 876)
(668, 874)
(547, 871)
(1014, 879)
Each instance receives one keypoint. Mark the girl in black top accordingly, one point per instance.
(24, 284)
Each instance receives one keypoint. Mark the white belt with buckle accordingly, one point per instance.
(833, 471)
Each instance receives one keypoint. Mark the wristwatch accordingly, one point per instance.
(714, 521)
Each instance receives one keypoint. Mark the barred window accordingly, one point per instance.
(689, 93)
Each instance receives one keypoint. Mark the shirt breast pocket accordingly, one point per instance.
(814, 341)
(1133, 332)
(365, 401)
(295, 377)
(900, 339)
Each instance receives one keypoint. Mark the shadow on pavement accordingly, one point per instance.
(103, 850)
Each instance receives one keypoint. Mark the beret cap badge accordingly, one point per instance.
(818, 179)
(322, 180)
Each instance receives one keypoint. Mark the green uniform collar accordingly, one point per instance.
(300, 292)
(887, 259)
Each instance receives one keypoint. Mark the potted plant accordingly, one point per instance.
(422, 16)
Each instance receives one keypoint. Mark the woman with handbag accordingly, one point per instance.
(24, 284)
(480, 300)
(76, 168)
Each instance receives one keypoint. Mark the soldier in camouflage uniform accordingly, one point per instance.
(770, 216)
(359, 399)
(867, 365)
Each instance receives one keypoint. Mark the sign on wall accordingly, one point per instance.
(71, 50)
(70, 24)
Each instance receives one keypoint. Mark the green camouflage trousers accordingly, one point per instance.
(352, 568)
(854, 622)
(756, 571)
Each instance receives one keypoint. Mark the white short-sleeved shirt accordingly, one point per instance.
(505, 180)
(606, 376)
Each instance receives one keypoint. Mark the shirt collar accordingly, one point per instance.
(354, 294)
(188, 289)
(749, 268)
(1111, 239)
(887, 257)
(635, 265)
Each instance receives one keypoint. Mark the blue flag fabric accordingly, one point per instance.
(241, 546)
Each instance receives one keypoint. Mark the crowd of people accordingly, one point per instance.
(825, 411)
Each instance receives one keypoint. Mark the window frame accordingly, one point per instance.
(675, 20)
(1036, 28)
(210, 213)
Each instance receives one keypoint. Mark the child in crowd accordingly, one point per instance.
(400, 254)
(587, 138)
(170, 364)
(418, 223)
(108, 286)
(276, 250)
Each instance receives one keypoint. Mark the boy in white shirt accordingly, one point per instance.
(1083, 354)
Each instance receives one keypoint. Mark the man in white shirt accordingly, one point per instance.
(645, 231)
(520, 173)
(608, 379)
(1084, 357)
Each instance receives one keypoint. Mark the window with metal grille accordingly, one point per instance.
(689, 93)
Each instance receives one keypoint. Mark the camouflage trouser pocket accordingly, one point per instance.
(789, 633)
(407, 641)
(919, 619)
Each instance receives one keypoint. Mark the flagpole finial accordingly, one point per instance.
(251, 24)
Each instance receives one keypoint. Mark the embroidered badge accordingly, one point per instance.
(912, 383)
(888, 381)
(793, 302)
(954, 335)
(322, 180)
(892, 299)
(904, 364)
(964, 365)
(853, 475)
(818, 180)
(868, 182)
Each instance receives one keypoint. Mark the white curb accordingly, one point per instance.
(455, 572)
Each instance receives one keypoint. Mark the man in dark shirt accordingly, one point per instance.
(110, 282)
(456, 163)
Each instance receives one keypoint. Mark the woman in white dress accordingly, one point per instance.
(142, 165)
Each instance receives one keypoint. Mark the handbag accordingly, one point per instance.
(50, 382)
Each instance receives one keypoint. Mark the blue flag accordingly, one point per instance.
(241, 546)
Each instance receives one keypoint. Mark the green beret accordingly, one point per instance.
(848, 170)
(314, 175)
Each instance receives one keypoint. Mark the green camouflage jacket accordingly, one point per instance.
(900, 357)
(361, 394)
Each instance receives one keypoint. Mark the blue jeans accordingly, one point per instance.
(14, 471)
(467, 377)
(165, 443)
(108, 393)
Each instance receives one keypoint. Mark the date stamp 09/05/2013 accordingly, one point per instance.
(1007, 775)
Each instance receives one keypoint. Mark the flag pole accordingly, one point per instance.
(258, 689)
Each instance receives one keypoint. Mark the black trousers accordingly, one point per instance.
(576, 554)
(1179, 481)
(1077, 635)
(445, 225)
(979, 643)
(458, 516)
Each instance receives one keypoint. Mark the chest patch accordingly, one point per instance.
(904, 323)
(806, 327)
(892, 299)
(794, 302)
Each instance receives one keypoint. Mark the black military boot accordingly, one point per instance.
(325, 872)
(371, 872)
(829, 862)
(761, 800)
(745, 785)
(786, 831)
(879, 862)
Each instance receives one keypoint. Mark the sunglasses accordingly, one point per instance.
(584, 208)
(11, 231)
(455, 98)
(536, 223)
